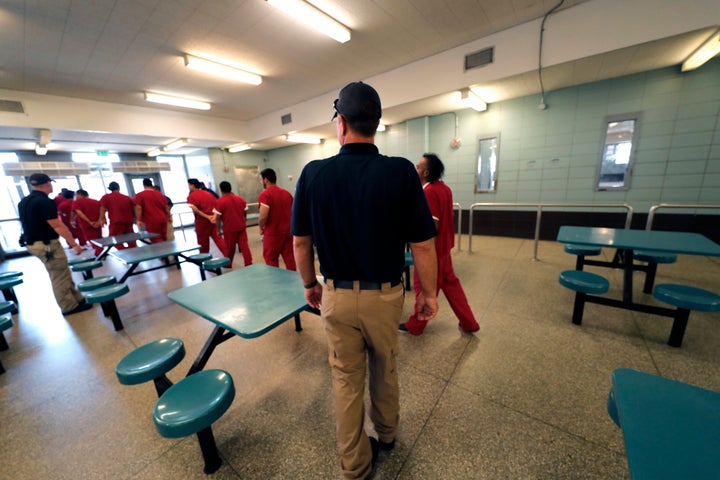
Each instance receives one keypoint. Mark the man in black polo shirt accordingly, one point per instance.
(42, 228)
(359, 209)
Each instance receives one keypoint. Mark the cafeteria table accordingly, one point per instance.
(107, 243)
(133, 257)
(248, 302)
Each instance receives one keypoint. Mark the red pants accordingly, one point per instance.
(160, 229)
(119, 229)
(204, 232)
(449, 283)
(91, 234)
(240, 239)
(275, 246)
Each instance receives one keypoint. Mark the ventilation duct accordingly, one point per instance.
(479, 58)
(11, 106)
(25, 169)
(140, 166)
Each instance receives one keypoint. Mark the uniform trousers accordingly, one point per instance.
(120, 228)
(276, 246)
(159, 228)
(91, 233)
(239, 238)
(204, 232)
(449, 283)
(55, 260)
(361, 330)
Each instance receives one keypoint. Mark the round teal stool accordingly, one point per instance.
(94, 283)
(198, 260)
(652, 259)
(191, 406)
(106, 296)
(582, 283)
(215, 265)
(6, 286)
(685, 298)
(5, 323)
(151, 362)
(7, 306)
(581, 252)
(86, 268)
(5, 275)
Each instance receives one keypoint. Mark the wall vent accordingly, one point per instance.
(24, 169)
(285, 119)
(479, 58)
(11, 106)
(140, 166)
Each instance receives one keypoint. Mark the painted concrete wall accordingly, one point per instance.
(552, 155)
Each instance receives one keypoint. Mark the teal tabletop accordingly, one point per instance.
(653, 240)
(247, 302)
(153, 251)
(124, 238)
(671, 429)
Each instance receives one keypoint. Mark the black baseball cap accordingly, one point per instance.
(358, 100)
(39, 179)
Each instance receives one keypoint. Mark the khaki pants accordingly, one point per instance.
(55, 260)
(361, 328)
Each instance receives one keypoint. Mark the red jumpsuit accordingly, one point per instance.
(204, 228)
(277, 240)
(91, 209)
(154, 214)
(439, 198)
(65, 210)
(232, 209)
(121, 211)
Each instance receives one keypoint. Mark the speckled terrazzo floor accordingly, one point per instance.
(522, 399)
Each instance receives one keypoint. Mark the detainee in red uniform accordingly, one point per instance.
(439, 197)
(87, 211)
(202, 203)
(151, 211)
(274, 221)
(67, 215)
(121, 210)
(231, 211)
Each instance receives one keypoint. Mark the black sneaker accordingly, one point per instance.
(386, 446)
(80, 308)
(375, 447)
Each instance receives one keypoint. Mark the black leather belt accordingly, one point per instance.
(350, 284)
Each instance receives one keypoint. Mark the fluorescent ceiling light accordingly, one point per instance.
(314, 18)
(238, 147)
(179, 143)
(176, 101)
(41, 149)
(221, 70)
(154, 152)
(469, 99)
(705, 52)
(303, 139)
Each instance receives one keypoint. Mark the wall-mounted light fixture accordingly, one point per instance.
(174, 145)
(221, 70)
(313, 17)
(176, 101)
(154, 152)
(303, 139)
(238, 147)
(705, 52)
(40, 149)
(469, 99)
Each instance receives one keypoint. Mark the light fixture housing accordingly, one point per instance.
(40, 149)
(174, 145)
(154, 152)
(221, 70)
(704, 52)
(295, 138)
(176, 101)
(238, 147)
(381, 127)
(469, 99)
(313, 17)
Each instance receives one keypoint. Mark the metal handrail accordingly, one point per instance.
(651, 212)
(458, 207)
(538, 217)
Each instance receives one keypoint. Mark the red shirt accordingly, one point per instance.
(120, 207)
(232, 208)
(65, 210)
(154, 206)
(205, 202)
(90, 207)
(439, 198)
(280, 202)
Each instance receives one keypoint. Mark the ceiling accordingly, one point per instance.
(111, 51)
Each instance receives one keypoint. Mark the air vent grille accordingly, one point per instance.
(11, 106)
(479, 58)
(140, 166)
(285, 119)
(24, 169)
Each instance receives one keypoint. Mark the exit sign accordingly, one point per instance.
(101, 153)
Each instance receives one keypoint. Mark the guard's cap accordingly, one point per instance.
(358, 100)
(39, 179)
